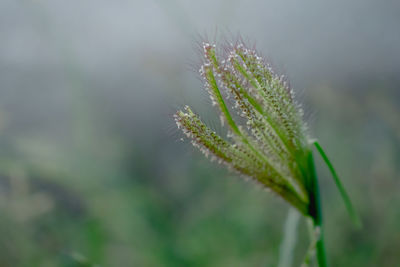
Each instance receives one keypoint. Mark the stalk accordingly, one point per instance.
(316, 213)
(288, 244)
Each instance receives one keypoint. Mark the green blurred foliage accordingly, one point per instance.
(115, 202)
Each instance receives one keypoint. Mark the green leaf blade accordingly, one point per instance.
(346, 199)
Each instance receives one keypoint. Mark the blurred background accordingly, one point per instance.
(92, 172)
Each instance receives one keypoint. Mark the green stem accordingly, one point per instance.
(311, 248)
(316, 213)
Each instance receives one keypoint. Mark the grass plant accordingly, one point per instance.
(267, 138)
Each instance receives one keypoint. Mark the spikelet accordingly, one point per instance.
(272, 146)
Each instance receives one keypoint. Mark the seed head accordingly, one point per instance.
(272, 146)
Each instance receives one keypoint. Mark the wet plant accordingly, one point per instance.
(272, 145)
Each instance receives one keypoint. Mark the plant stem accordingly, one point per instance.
(316, 213)
(288, 244)
(311, 248)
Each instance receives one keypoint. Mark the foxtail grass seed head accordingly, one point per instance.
(272, 146)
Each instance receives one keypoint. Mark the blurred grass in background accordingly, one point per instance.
(92, 170)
